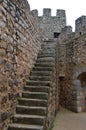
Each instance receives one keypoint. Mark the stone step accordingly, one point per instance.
(49, 44)
(48, 59)
(18, 126)
(32, 106)
(29, 119)
(47, 49)
(41, 73)
(41, 64)
(41, 78)
(46, 55)
(38, 83)
(42, 68)
(37, 89)
(44, 62)
(32, 102)
(33, 95)
(31, 110)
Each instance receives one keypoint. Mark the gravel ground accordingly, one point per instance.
(67, 120)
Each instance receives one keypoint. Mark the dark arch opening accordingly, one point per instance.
(82, 78)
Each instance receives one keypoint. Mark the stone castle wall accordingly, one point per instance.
(72, 63)
(21, 31)
(19, 45)
(52, 24)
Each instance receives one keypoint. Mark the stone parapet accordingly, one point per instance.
(52, 25)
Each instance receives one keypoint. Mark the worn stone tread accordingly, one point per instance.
(37, 89)
(44, 64)
(28, 116)
(39, 83)
(34, 92)
(31, 107)
(37, 78)
(31, 110)
(37, 95)
(43, 68)
(30, 99)
(44, 73)
(15, 125)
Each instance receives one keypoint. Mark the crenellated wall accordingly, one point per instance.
(72, 66)
(19, 46)
(52, 24)
(21, 32)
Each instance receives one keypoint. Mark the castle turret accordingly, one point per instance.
(60, 13)
(80, 22)
(61, 16)
(67, 30)
(52, 25)
(47, 12)
(35, 12)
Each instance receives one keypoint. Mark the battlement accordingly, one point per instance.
(67, 29)
(52, 25)
(80, 22)
(59, 13)
(47, 12)
(35, 12)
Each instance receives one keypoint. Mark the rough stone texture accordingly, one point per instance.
(38, 103)
(21, 32)
(19, 45)
(52, 24)
(72, 66)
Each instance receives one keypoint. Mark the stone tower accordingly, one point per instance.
(52, 25)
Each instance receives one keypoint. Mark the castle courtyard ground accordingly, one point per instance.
(67, 120)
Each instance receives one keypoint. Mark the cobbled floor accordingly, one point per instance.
(67, 120)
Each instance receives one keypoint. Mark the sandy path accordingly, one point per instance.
(67, 120)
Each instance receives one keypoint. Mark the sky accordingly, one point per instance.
(74, 8)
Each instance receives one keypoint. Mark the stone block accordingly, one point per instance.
(4, 116)
(4, 99)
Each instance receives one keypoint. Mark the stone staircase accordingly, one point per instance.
(31, 111)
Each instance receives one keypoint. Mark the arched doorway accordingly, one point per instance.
(79, 89)
(82, 78)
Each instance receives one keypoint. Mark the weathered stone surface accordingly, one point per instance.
(52, 24)
(19, 46)
(38, 103)
(72, 66)
(20, 42)
(4, 116)
(4, 99)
